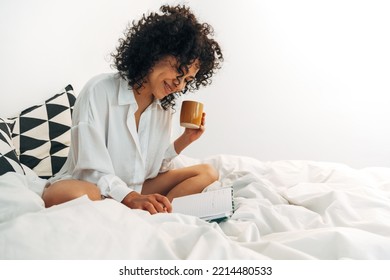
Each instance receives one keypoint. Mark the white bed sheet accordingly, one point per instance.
(284, 210)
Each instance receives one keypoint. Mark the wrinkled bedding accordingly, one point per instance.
(284, 210)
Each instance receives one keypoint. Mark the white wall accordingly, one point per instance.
(301, 79)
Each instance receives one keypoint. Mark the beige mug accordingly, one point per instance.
(191, 114)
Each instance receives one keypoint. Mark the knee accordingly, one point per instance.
(66, 190)
(77, 188)
(91, 190)
(210, 172)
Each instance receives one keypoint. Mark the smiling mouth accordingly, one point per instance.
(168, 87)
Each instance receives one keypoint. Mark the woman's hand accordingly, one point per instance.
(190, 135)
(194, 133)
(154, 203)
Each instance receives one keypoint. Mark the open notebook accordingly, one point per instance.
(213, 205)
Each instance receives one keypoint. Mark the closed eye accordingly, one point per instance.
(186, 81)
(189, 80)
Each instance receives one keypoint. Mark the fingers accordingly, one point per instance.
(150, 208)
(153, 203)
(166, 204)
(203, 122)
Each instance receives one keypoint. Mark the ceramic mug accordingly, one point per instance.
(191, 114)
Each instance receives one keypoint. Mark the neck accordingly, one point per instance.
(144, 97)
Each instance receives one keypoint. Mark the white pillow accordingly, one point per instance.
(16, 197)
(35, 183)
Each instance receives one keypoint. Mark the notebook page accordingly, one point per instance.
(205, 204)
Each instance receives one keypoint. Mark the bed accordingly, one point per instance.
(286, 209)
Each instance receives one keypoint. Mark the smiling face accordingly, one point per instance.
(165, 79)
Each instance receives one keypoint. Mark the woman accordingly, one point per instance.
(120, 145)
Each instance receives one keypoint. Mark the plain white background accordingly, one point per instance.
(302, 80)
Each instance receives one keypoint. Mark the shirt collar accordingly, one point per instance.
(126, 95)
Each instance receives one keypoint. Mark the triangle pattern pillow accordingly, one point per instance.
(9, 161)
(41, 133)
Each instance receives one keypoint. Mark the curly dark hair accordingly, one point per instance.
(176, 32)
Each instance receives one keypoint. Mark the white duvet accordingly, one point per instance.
(284, 210)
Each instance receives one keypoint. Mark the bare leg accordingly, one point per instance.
(66, 190)
(182, 181)
(174, 183)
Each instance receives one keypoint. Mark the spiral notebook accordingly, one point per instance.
(213, 205)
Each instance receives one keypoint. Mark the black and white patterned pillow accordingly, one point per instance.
(41, 134)
(9, 161)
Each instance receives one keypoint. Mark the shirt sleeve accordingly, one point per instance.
(92, 162)
(169, 155)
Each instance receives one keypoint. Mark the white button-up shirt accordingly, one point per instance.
(106, 148)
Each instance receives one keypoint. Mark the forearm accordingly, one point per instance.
(181, 143)
(190, 135)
